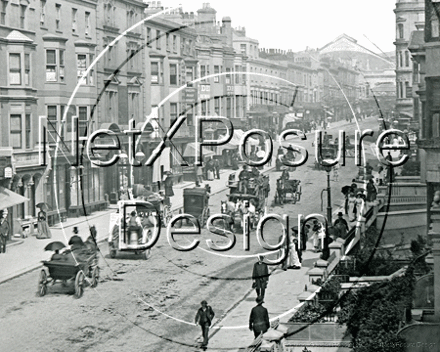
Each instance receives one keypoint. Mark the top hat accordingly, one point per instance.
(259, 300)
(75, 229)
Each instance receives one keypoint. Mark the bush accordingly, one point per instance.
(373, 314)
(309, 313)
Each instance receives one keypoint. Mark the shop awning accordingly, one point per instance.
(9, 198)
(190, 150)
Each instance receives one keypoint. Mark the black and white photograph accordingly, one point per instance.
(226, 176)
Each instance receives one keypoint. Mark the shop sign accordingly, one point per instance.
(190, 95)
(229, 90)
(205, 92)
(8, 172)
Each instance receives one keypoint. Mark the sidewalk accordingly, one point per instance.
(281, 298)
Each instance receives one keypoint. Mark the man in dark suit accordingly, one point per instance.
(260, 275)
(341, 225)
(259, 318)
(204, 317)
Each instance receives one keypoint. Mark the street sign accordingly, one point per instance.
(229, 90)
(8, 172)
(205, 91)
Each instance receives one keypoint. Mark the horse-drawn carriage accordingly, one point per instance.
(196, 203)
(131, 227)
(159, 201)
(246, 197)
(327, 152)
(286, 187)
(80, 267)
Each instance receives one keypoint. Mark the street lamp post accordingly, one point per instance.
(328, 168)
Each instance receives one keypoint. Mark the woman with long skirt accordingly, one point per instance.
(43, 227)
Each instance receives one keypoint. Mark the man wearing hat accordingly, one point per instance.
(259, 318)
(260, 275)
(204, 317)
(341, 225)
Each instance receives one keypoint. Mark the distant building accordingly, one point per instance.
(409, 15)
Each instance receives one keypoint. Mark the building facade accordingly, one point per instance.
(409, 15)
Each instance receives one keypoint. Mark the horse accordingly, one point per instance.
(227, 207)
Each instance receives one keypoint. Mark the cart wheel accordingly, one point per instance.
(112, 253)
(79, 284)
(42, 283)
(95, 277)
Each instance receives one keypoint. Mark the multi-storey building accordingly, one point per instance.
(409, 14)
(66, 47)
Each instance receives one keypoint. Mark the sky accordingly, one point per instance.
(294, 24)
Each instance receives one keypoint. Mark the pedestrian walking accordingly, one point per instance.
(259, 319)
(260, 275)
(351, 206)
(294, 253)
(217, 169)
(4, 230)
(204, 317)
(43, 227)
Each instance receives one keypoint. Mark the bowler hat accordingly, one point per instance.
(259, 300)
(340, 214)
(203, 303)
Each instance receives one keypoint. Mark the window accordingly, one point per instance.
(158, 39)
(74, 24)
(173, 74)
(167, 38)
(52, 123)
(204, 107)
(434, 26)
(217, 105)
(189, 74)
(28, 131)
(216, 71)
(228, 107)
(14, 69)
(3, 13)
(400, 33)
(82, 119)
(15, 131)
(189, 114)
(237, 107)
(237, 76)
(202, 71)
(57, 16)
(87, 23)
(42, 12)
(435, 125)
(407, 58)
(228, 76)
(83, 61)
(155, 72)
(173, 113)
(149, 36)
(27, 69)
(54, 67)
(23, 16)
(134, 105)
(174, 43)
(408, 90)
(243, 49)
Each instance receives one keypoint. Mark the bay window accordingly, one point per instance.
(83, 61)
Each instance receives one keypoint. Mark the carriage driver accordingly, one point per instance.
(244, 177)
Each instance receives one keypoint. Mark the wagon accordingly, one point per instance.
(196, 203)
(134, 239)
(329, 152)
(285, 187)
(67, 270)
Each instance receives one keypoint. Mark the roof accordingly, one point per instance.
(17, 36)
(347, 43)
